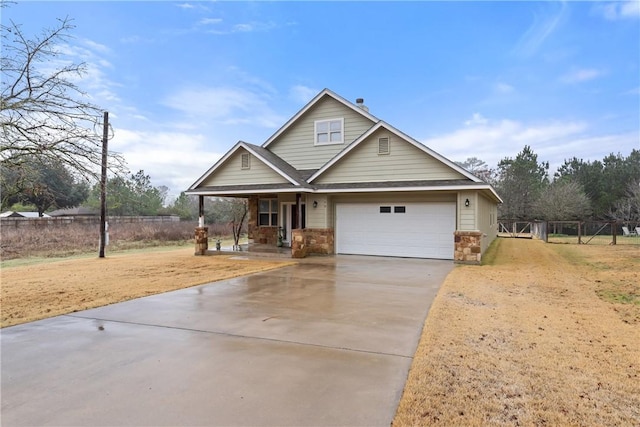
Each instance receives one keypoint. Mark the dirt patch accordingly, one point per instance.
(37, 291)
(536, 338)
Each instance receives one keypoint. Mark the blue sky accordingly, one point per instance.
(184, 81)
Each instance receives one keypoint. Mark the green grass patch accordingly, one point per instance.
(489, 257)
(570, 254)
(618, 297)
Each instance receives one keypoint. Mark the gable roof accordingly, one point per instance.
(15, 214)
(278, 165)
(399, 134)
(310, 104)
(302, 180)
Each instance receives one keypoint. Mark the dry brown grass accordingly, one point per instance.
(37, 291)
(63, 240)
(533, 339)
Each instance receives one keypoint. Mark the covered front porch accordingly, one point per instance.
(278, 224)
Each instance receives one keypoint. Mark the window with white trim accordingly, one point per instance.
(329, 131)
(268, 212)
(245, 161)
(383, 145)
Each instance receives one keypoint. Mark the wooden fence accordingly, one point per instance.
(17, 222)
(576, 232)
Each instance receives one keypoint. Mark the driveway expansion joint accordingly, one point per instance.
(228, 334)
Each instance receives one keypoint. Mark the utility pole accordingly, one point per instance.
(103, 185)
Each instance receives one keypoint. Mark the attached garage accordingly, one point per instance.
(414, 230)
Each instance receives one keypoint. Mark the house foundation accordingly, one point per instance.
(468, 247)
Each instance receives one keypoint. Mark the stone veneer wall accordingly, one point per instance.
(468, 247)
(312, 241)
(257, 234)
(202, 240)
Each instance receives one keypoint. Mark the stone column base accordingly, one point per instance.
(202, 240)
(312, 241)
(468, 247)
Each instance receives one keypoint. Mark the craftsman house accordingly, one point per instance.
(337, 180)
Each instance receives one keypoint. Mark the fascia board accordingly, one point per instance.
(347, 190)
(310, 104)
(407, 189)
(248, 192)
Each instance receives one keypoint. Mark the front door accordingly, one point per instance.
(289, 213)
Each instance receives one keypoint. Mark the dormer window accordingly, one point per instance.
(329, 131)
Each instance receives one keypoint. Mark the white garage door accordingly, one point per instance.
(416, 230)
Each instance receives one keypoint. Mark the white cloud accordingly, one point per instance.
(302, 94)
(135, 39)
(246, 27)
(582, 75)
(210, 21)
(94, 80)
(503, 88)
(541, 28)
(226, 105)
(94, 46)
(613, 11)
(173, 159)
(492, 140)
(476, 119)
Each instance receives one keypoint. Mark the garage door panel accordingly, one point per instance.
(424, 230)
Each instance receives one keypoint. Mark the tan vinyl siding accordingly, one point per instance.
(296, 144)
(317, 217)
(231, 172)
(487, 220)
(404, 162)
(467, 215)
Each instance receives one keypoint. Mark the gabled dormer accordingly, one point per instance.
(322, 129)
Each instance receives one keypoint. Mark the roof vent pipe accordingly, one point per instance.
(360, 103)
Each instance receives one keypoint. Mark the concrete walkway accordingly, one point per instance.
(326, 342)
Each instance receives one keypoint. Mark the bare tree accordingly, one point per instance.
(562, 201)
(43, 113)
(627, 209)
(479, 168)
(238, 209)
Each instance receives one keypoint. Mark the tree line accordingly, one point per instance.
(48, 185)
(607, 189)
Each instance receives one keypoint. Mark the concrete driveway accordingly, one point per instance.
(327, 342)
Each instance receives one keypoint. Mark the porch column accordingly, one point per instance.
(202, 232)
(200, 211)
(298, 223)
